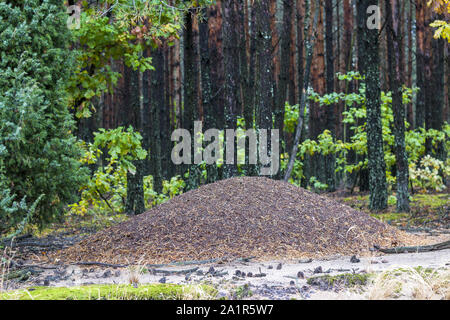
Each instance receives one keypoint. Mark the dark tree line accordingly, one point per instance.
(246, 58)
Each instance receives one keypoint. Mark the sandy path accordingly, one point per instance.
(279, 280)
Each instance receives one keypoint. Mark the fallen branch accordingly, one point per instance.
(100, 264)
(151, 266)
(172, 272)
(428, 248)
(21, 275)
(37, 266)
(184, 263)
(199, 262)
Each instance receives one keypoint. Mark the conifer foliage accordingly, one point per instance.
(39, 154)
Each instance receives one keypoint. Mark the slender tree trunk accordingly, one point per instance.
(209, 110)
(420, 62)
(156, 104)
(216, 73)
(167, 167)
(396, 79)
(410, 114)
(250, 86)
(369, 62)
(435, 110)
(176, 73)
(275, 40)
(306, 81)
(216, 56)
(285, 66)
(301, 8)
(318, 113)
(348, 53)
(265, 77)
(232, 79)
(330, 121)
(135, 203)
(191, 94)
(292, 87)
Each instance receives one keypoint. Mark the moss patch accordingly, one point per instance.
(113, 292)
(242, 292)
(391, 217)
(347, 280)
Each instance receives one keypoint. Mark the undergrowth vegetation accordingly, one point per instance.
(113, 292)
(427, 173)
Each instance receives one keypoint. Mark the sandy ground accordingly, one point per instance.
(265, 280)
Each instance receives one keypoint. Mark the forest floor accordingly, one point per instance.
(430, 212)
(332, 278)
(336, 276)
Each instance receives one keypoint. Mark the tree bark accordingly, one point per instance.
(369, 64)
(232, 78)
(420, 62)
(156, 105)
(396, 77)
(265, 76)
(330, 159)
(135, 203)
(318, 113)
(191, 94)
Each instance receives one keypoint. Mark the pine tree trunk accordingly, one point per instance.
(265, 96)
(410, 114)
(232, 80)
(135, 203)
(318, 113)
(300, 60)
(434, 119)
(156, 104)
(250, 86)
(216, 57)
(330, 117)
(191, 94)
(369, 63)
(209, 112)
(292, 87)
(396, 76)
(285, 67)
(420, 62)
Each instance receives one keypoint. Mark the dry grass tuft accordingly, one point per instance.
(6, 259)
(411, 283)
(135, 272)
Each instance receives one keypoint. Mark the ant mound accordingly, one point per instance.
(238, 218)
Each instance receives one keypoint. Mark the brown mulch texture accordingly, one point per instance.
(239, 217)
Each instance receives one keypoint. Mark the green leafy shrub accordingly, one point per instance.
(106, 190)
(427, 173)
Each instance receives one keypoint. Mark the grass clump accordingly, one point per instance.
(411, 283)
(347, 280)
(113, 292)
(242, 292)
